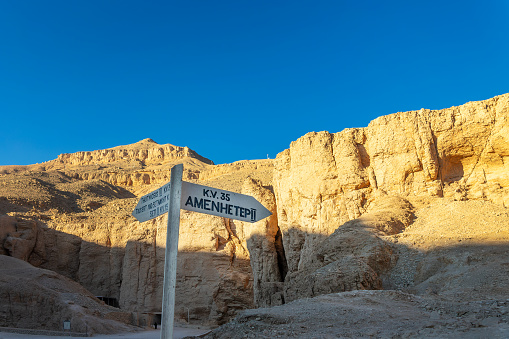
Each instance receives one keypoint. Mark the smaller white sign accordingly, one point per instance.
(153, 204)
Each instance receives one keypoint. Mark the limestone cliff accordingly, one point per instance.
(146, 151)
(74, 217)
(324, 180)
(142, 163)
(340, 203)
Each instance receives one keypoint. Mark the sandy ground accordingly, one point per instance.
(372, 314)
(178, 333)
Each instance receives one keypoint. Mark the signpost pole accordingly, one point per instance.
(170, 262)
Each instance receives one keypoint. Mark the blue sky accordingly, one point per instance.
(233, 80)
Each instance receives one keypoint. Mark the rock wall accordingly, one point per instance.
(264, 241)
(124, 260)
(42, 299)
(334, 196)
(355, 256)
(214, 278)
(324, 180)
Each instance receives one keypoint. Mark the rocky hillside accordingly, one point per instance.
(324, 181)
(37, 298)
(415, 201)
(145, 162)
(75, 218)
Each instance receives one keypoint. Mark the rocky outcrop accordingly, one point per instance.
(146, 151)
(266, 252)
(21, 242)
(135, 177)
(354, 257)
(339, 201)
(42, 299)
(7, 227)
(143, 163)
(213, 274)
(324, 180)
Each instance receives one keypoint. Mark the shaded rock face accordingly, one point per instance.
(214, 277)
(266, 252)
(125, 261)
(42, 299)
(354, 257)
(19, 238)
(94, 266)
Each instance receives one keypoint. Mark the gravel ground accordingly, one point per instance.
(371, 314)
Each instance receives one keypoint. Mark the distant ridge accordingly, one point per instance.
(145, 151)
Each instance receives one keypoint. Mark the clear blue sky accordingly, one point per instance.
(233, 80)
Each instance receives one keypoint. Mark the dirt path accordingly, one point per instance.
(178, 332)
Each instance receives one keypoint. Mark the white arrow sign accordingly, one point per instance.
(222, 203)
(153, 204)
(203, 199)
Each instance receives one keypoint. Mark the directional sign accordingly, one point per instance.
(222, 203)
(153, 204)
(192, 197)
(203, 199)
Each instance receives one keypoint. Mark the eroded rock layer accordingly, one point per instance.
(324, 180)
(347, 214)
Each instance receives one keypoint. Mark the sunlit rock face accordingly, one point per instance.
(336, 198)
(326, 179)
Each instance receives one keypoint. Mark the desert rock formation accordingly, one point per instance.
(416, 201)
(450, 280)
(324, 180)
(76, 220)
(37, 298)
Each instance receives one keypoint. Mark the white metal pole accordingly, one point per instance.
(170, 262)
